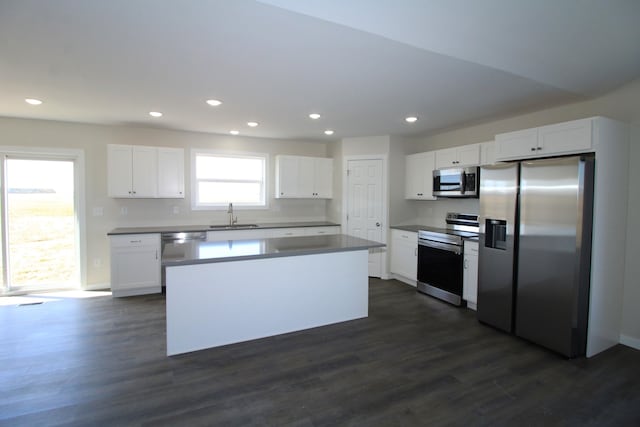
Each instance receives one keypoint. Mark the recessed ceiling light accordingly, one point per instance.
(314, 116)
(234, 132)
(155, 114)
(214, 102)
(328, 132)
(252, 124)
(33, 101)
(411, 119)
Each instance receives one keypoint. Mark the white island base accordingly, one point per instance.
(218, 303)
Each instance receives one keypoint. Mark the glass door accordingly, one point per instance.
(39, 230)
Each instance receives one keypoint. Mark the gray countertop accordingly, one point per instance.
(192, 228)
(200, 252)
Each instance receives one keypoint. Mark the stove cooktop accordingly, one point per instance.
(460, 233)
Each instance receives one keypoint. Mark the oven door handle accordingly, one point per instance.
(437, 245)
(463, 182)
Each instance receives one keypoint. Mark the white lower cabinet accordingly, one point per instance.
(470, 277)
(404, 255)
(135, 264)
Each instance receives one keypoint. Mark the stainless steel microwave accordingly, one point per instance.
(456, 182)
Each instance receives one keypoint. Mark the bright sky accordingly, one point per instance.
(45, 174)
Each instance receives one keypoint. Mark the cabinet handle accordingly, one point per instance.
(156, 254)
(466, 264)
(135, 241)
(539, 148)
(533, 148)
(415, 252)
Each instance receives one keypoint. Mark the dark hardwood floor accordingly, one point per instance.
(413, 361)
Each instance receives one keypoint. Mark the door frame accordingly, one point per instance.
(385, 202)
(47, 153)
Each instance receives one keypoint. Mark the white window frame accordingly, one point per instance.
(223, 206)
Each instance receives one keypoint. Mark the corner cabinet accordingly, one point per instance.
(404, 255)
(571, 137)
(419, 176)
(300, 177)
(145, 172)
(470, 274)
(135, 264)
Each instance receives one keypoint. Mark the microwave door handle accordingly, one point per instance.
(463, 182)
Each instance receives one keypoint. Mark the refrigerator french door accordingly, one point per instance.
(535, 250)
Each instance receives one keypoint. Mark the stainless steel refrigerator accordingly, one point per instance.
(535, 250)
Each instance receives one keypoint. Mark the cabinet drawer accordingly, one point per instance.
(409, 236)
(288, 232)
(213, 236)
(129, 240)
(319, 231)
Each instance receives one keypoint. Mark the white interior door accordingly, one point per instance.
(364, 206)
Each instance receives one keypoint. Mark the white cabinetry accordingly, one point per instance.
(404, 255)
(132, 171)
(466, 155)
(558, 139)
(419, 176)
(263, 233)
(135, 264)
(171, 173)
(470, 276)
(300, 177)
(487, 153)
(135, 171)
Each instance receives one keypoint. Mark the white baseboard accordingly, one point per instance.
(97, 287)
(403, 279)
(630, 341)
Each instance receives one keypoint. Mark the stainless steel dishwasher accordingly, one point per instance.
(176, 246)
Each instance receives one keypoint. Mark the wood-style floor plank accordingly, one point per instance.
(414, 361)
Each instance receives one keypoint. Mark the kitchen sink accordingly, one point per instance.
(233, 227)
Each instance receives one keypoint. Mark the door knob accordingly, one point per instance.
(377, 224)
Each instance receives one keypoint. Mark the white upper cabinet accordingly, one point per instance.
(132, 171)
(145, 172)
(419, 176)
(171, 173)
(301, 177)
(465, 155)
(487, 153)
(563, 138)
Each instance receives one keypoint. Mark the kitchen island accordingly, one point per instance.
(231, 291)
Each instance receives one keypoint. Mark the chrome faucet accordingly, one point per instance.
(232, 220)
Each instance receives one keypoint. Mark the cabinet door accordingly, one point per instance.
(566, 138)
(144, 171)
(517, 145)
(419, 176)
(119, 172)
(468, 155)
(404, 253)
(323, 179)
(470, 277)
(306, 177)
(446, 158)
(487, 153)
(287, 176)
(171, 173)
(135, 264)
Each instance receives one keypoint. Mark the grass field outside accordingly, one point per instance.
(42, 241)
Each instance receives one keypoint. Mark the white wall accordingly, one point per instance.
(93, 139)
(622, 104)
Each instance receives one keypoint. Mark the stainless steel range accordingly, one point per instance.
(440, 257)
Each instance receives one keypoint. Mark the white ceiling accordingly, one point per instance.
(363, 64)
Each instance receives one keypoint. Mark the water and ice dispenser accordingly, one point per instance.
(495, 234)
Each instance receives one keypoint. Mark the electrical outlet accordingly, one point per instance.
(124, 210)
(98, 211)
(176, 210)
(97, 262)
